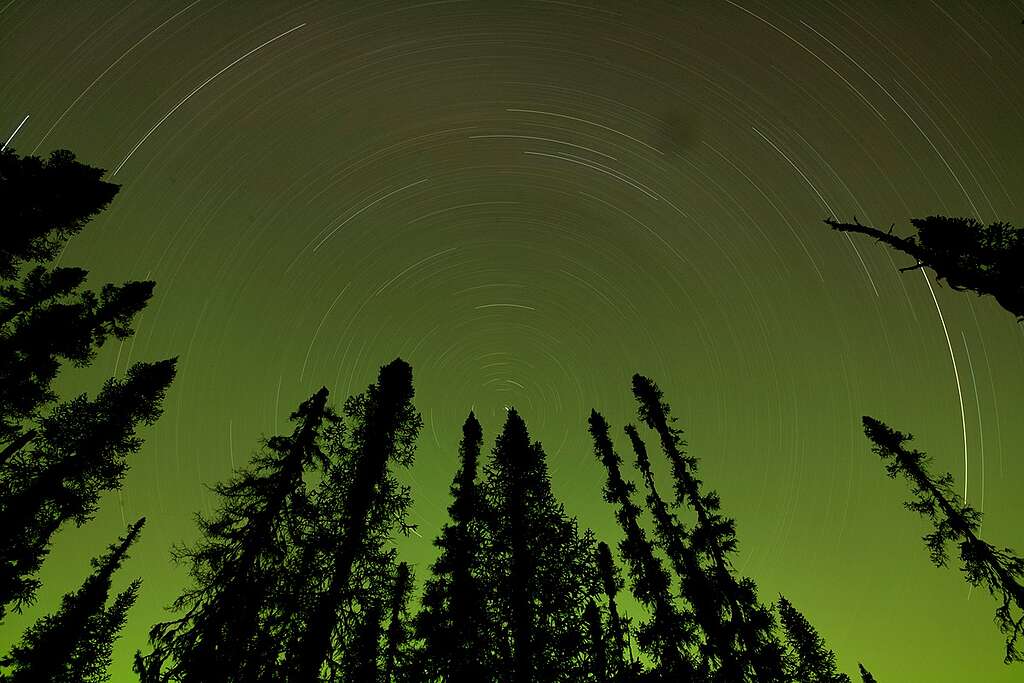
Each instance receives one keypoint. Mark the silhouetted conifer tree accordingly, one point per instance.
(79, 453)
(397, 636)
(621, 660)
(231, 628)
(962, 251)
(810, 661)
(597, 657)
(667, 635)
(713, 537)
(696, 586)
(540, 569)
(57, 458)
(384, 429)
(865, 675)
(363, 652)
(48, 202)
(74, 644)
(452, 622)
(999, 571)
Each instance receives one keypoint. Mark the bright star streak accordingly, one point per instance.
(956, 374)
(981, 432)
(14, 133)
(104, 73)
(591, 123)
(813, 54)
(200, 87)
(824, 202)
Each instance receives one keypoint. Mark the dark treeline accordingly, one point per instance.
(296, 576)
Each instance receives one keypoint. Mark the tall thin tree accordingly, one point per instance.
(236, 567)
(384, 431)
(540, 568)
(667, 635)
(714, 538)
(74, 644)
(597, 657)
(621, 660)
(697, 587)
(452, 622)
(810, 661)
(999, 571)
(397, 636)
(57, 458)
(363, 654)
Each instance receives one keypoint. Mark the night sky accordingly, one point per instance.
(531, 201)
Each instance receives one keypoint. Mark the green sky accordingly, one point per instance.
(530, 201)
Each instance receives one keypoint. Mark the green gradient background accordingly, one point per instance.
(510, 273)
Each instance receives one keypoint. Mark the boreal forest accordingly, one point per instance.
(296, 576)
(511, 341)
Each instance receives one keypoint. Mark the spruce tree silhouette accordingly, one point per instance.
(56, 458)
(666, 636)
(865, 675)
(364, 653)
(714, 538)
(719, 660)
(539, 567)
(385, 428)
(397, 637)
(597, 657)
(225, 633)
(79, 453)
(621, 665)
(48, 202)
(999, 571)
(962, 251)
(453, 622)
(74, 644)
(809, 660)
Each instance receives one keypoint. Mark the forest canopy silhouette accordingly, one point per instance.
(296, 576)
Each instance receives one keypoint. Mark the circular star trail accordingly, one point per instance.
(531, 201)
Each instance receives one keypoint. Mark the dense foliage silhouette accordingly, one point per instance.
(809, 659)
(367, 505)
(296, 576)
(666, 636)
(622, 665)
(539, 568)
(74, 644)
(747, 648)
(230, 629)
(453, 622)
(968, 255)
(57, 457)
(999, 571)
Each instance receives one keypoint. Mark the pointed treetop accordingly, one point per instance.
(75, 642)
(118, 552)
(811, 660)
(48, 201)
(650, 397)
(865, 675)
(313, 405)
(471, 429)
(999, 570)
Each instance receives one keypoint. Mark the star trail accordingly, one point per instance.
(529, 201)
